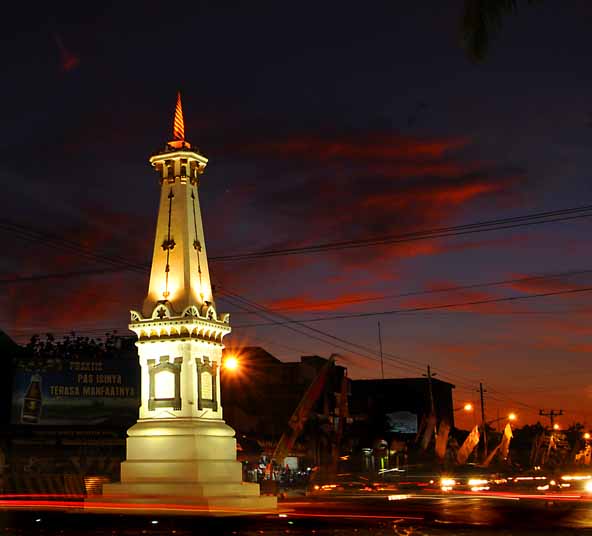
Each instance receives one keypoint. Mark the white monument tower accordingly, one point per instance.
(180, 448)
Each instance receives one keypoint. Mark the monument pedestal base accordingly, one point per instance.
(182, 465)
(132, 500)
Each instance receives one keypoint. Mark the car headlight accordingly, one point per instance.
(446, 484)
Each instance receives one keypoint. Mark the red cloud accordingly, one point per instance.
(428, 168)
(85, 301)
(537, 286)
(334, 189)
(451, 194)
(457, 296)
(584, 348)
(373, 147)
(348, 188)
(308, 303)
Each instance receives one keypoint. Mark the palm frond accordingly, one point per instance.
(482, 21)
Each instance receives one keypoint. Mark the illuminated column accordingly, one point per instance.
(179, 331)
(180, 447)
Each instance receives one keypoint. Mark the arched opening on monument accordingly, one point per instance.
(207, 392)
(164, 385)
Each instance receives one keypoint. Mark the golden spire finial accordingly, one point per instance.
(178, 124)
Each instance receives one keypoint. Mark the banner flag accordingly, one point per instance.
(467, 447)
(442, 439)
(302, 412)
(505, 443)
(491, 456)
(429, 430)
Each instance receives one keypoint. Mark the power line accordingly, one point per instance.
(32, 235)
(430, 307)
(552, 413)
(454, 288)
(310, 332)
(428, 313)
(506, 223)
(409, 364)
(402, 363)
(48, 239)
(239, 301)
(393, 361)
(439, 232)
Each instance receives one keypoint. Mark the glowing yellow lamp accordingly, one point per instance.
(231, 363)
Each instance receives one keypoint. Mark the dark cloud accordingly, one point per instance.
(305, 189)
(76, 301)
(377, 185)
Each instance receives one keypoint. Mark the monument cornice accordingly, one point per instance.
(180, 328)
(175, 153)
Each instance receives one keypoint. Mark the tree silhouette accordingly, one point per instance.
(482, 21)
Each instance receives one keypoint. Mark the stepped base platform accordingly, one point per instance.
(182, 499)
(182, 467)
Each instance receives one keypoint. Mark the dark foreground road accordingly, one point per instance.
(458, 514)
(344, 516)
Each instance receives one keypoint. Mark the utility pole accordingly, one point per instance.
(431, 391)
(552, 413)
(429, 376)
(483, 423)
(341, 418)
(380, 345)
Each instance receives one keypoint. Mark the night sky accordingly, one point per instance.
(323, 121)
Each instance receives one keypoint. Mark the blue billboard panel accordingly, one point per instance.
(402, 422)
(68, 392)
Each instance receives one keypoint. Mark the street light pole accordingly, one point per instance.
(431, 391)
(484, 424)
(510, 417)
(429, 377)
(552, 413)
(380, 345)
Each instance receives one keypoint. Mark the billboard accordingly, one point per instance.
(75, 392)
(403, 422)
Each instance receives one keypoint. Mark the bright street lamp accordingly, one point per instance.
(511, 417)
(230, 363)
(467, 407)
